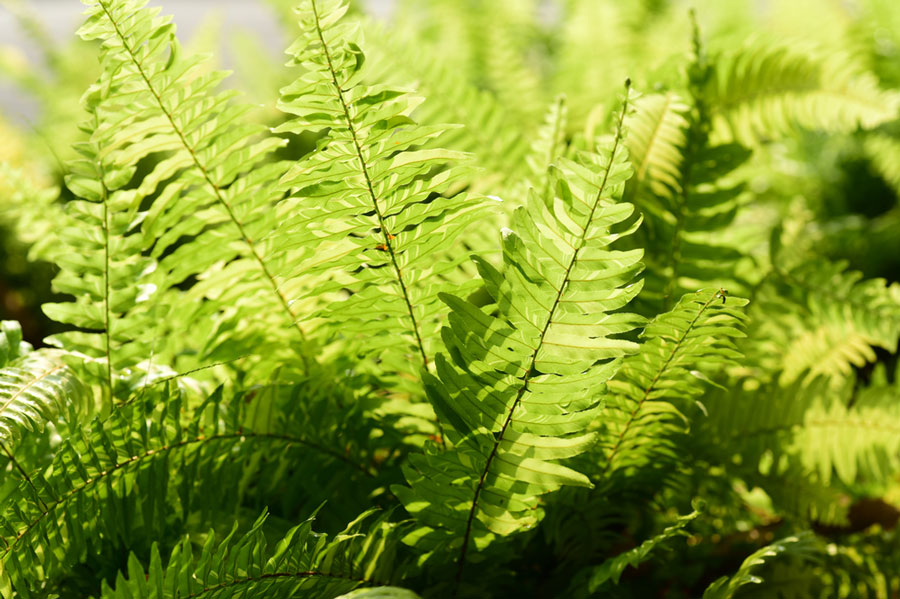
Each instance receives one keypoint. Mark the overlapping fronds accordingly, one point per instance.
(765, 90)
(821, 430)
(375, 196)
(682, 349)
(821, 319)
(206, 200)
(138, 476)
(302, 564)
(524, 376)
(685, 188)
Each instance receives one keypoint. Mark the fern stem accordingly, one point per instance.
(533, 360)
(662, 369)
(386, 236)
(24, 474)
(217, 192)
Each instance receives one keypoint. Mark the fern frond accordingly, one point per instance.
(33, 391)
(612, 569)
(523, 377)
(686, 190)
(798, 547)
(828, 431)
(211, 186)
(303, 563)
(766, 90)
(683, 347)
(139, 475)
(376, 197)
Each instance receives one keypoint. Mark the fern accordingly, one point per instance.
(515, 387)
(208, 185)
(800, 547)
(146, 472)
(377, 197)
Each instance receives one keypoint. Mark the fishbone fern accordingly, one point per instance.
(282, 317)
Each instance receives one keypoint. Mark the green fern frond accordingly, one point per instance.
(612, 569)
(798, 547)
(211, 186)
(686, 189)
(523, 376)
(765, 90)
(683, 348)
(303, 563)
(33, 391)
(656, 141)
(139, 475)
(383, 225)
(827, 431)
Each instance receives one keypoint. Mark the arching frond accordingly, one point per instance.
(764, 90)
(524, 376)
(303, 563)
(799, 547)
(382, 222)
(612, 569)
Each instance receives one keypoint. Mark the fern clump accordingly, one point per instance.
(451, 315)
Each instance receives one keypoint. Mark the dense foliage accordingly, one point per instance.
(503, 298)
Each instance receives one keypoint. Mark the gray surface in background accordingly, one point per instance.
(62, 18)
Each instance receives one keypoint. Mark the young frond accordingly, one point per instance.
(682, 349)
(302, 564)
(524, 376)
(374, 195)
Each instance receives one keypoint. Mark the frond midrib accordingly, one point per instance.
(386, 236)
(662, 369)
(532, 361)
(288, 576)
